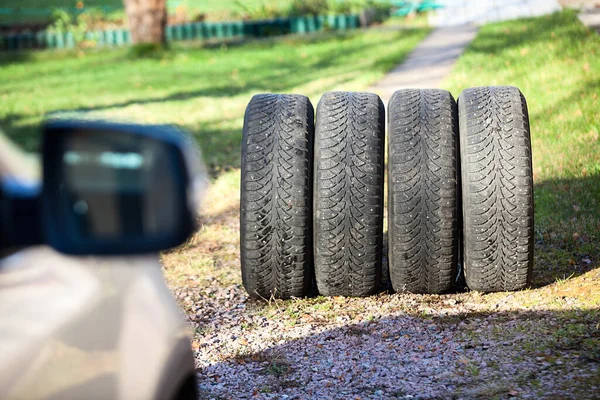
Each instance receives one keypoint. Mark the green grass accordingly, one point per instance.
(208, 5)
(59, 3)
(214, 9)
(555, 61)
(205, 90)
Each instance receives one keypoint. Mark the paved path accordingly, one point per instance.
(433, 59)
(429, 63)
(591, 19)
(458, 12)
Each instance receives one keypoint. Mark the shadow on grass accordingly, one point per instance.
(221, 148)
(567, 228)
(466, 355)
(18, 57)
(270, 42)
(25, 134)
(279, 76)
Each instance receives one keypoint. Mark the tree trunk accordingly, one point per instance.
(147, 20)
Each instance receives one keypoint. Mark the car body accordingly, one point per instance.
(86, 327)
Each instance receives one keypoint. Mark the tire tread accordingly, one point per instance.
(422, 190)
(497, 189)
(276, 193)
(348, 232)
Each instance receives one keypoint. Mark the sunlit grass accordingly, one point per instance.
(214, 9)
(202, 89)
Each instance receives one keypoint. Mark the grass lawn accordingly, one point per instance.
(204, 90)
(208, 5)
(219, 9)
(16, 4)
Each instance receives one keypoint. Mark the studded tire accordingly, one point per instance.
(423, 223)
(276, 196)
(348, 193)
(497, 188)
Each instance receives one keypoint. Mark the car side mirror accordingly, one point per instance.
(112, 189)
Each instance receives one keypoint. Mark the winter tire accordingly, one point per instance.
(276, 196)
(497, 188)
(422, 190)
(348, 226)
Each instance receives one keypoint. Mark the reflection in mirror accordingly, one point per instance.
(117, 186)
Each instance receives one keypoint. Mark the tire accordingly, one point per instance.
(423, 221)
(348, 226)
(276, 196)
(497, 188)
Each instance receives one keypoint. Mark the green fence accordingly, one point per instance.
(191, 31)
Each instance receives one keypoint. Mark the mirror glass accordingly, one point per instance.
(117, 187)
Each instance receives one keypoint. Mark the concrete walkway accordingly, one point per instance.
(459, 12)
(591, 19)
(429, 62)
(457, 22)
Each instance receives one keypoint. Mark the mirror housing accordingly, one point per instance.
(113, 189)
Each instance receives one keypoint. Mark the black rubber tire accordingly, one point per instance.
(422, 190)
(349, 168)
(276, 196)
(497, 188)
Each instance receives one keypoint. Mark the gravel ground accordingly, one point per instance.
(538, 343)
(462, 345)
